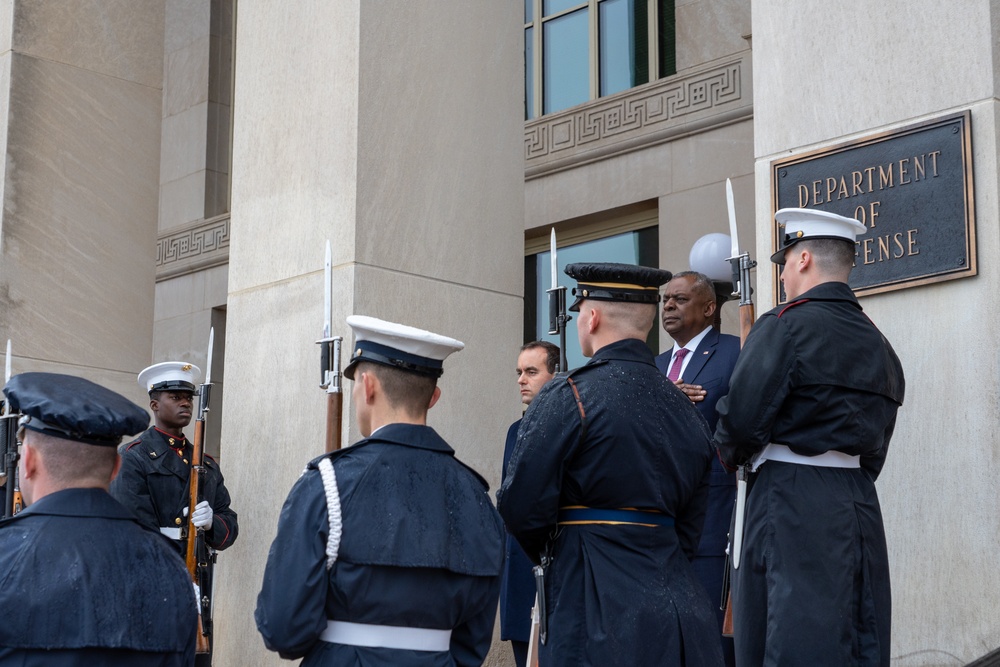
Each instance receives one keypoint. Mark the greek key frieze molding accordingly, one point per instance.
(197, 246)
(717, 94)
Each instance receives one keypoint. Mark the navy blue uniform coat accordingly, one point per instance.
(711, 366)
(616, 594)
(813, 583)
(422, 547)
(86, 585)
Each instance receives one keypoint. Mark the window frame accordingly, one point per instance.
(593, 18)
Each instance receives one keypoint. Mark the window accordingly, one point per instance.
(579, 50)
(633, 247)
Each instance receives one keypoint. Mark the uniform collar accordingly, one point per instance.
(410, 435)
(79, 503)
(628, 349)
(831, 291)
(172, 440)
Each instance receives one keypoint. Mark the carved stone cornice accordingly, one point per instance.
(710, 96)
(194, 247)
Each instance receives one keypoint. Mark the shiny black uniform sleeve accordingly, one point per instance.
(762, 379)
(131, 490)
(528, 499)
(225, 526)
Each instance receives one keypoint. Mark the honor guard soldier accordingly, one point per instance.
(156, 467)
(607, 489)
(84, 583)
(811, 408)
(155, 476)
(387, 552)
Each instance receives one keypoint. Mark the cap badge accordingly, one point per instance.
(186, 367)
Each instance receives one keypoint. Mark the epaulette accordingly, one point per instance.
(314, 464)
(132, 444)
(580, 369)
(792, 305)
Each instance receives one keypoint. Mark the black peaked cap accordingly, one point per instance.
(608, 281)
(71, 408)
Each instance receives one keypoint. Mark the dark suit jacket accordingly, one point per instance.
(710, 366)
(517, 592)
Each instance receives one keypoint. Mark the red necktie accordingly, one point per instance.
(675, 368)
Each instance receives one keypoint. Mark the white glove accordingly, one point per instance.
(202, 517)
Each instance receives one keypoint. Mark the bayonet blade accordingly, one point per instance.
(733, 234)
(327, 301)
(6, 373)
(208, 363)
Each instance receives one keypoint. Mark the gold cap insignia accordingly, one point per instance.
(186, 367)
(799, 233)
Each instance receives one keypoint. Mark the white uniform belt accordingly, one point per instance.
(173, 532)
(830, 459)
(386, 636)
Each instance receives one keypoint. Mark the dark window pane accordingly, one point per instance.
(529, 72)
(550, 7)
(565, 66)
(639, 247)
(668, 41)
(623, 38)
(529, 11)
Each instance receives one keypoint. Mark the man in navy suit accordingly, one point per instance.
(702, 372)
(536, 365)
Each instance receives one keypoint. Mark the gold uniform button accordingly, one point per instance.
(185, 460)
(177, 521)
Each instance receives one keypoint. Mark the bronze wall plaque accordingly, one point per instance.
(912, 189)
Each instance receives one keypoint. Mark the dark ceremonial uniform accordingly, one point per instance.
(421, 547)
(84, 584)
(154, 484)
(813, 584)
(517, 594)
(617, 593)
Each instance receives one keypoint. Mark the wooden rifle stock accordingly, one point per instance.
(195, 535)
(334, 417)
(747, 318)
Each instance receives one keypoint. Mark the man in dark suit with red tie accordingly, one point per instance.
(700, 364)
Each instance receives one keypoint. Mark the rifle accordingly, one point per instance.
(741, 264)
(13, 503)
(557, 306)
(329, 361)
(197, 558)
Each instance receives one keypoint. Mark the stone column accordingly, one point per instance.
(80, 129)
(395, 131)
